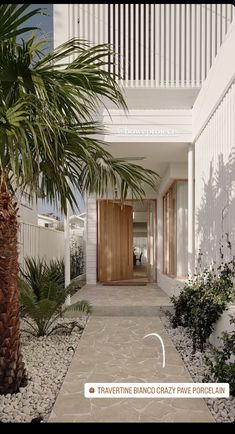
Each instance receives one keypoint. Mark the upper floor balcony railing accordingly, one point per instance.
(157, 45)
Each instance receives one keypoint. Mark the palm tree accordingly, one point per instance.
(49, 147)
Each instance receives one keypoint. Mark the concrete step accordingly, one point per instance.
(138, 311)
(131, 310)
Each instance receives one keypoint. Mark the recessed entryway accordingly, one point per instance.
(126, 241)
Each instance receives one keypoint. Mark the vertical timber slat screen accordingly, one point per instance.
(157, 45)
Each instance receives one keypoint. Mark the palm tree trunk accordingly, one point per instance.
(12, 370)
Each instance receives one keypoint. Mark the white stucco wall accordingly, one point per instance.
(223, 325)
(170, 286)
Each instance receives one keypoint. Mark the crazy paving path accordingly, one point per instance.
(112, 349)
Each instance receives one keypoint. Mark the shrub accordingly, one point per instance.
(76, 284)
(38, 274)
(76, 260)
(222, 367)
(43, 298)
(202, 301)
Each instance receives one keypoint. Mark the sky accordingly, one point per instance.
(45, 23)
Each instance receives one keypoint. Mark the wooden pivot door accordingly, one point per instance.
(115, 241)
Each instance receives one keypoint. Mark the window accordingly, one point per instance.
(175, 230)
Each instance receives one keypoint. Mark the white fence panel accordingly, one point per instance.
(39, 242)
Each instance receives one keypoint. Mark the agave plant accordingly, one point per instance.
(43, 297)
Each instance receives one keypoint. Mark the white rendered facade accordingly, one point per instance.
(178, 74)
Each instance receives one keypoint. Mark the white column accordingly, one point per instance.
(67, 250)
(190, 211)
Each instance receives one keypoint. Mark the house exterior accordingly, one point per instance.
(178, 72)
(48, 221)
(77, 222)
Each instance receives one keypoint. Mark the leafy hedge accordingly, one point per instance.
(203, 300)
(222, 367)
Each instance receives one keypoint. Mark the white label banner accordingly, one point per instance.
(156, 390)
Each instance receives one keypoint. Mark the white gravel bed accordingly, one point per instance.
(47, 360)
(222, 409)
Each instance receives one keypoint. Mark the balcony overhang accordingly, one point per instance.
(148, 126)
(157, 98)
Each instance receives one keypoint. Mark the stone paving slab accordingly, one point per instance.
(113, 350)
(99, 295)
(123, 301)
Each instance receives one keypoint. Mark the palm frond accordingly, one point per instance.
(69, 327)
(81, 306)
(43, 296)
(87, 77)
(12, 16)
(49, 133)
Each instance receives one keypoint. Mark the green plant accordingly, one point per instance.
(13, 16)
(49, 148)
(203, 299)
(37, 274)
(77, 261)
(43, 297)
(222, 367)
(76, 284)
(55, 271)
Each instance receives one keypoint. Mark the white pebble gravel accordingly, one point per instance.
(47, 360)
(222, 409)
